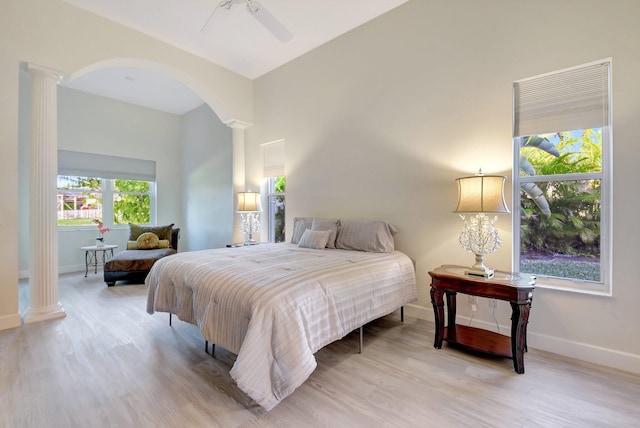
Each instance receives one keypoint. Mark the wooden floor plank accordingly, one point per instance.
(109, 363)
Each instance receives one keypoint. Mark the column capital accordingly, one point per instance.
(237, 124)
(39, 70)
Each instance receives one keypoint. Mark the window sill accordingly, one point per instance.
(89, 228)
(581, 287)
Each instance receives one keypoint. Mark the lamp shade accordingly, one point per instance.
(249, 202)
(481, 194)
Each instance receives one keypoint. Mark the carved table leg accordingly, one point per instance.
(438, 311)
(452, 308)
(519, 321)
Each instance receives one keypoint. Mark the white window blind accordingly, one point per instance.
(274, 159)
(94, 165)
(576, 98)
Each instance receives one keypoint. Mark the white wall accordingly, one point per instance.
(380, 122)
(93, 124)
(207, 189)
(56, 35)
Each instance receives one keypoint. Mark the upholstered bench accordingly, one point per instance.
(134, 264)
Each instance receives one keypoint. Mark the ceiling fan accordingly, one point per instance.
(259, 12)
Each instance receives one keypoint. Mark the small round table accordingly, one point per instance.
(91, 256)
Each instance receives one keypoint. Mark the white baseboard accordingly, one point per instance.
(74, 268)
(419, 312)
(586, 352)
(581, 351)
(10, 321)
(24, 274)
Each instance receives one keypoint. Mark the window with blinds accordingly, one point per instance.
(273, 159)
(562, 152)
(113, 190)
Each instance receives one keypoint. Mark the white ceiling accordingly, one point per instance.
(233, 39)
(138, 86)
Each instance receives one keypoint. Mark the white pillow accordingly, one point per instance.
(371, 236)
(316, 239)
(300, 224)
(327, 224)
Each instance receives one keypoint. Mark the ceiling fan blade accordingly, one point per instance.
(269, 21)
(224, 3)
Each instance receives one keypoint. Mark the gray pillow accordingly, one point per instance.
(316, 239)
(300, 224)
(371, 236)
(327, 224)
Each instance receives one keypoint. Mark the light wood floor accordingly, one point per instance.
(110, 364)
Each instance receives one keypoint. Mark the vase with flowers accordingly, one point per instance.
(102, 231)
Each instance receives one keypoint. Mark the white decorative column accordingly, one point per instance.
(43, 230)
(238, 171)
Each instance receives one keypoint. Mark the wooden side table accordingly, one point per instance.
(517, 290)
(91, 256)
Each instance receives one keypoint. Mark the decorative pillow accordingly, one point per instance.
(316, 239)
(147, 241)
(163, 232)
(133, 245)
(300, 224)
(327, 224)
(371, 236)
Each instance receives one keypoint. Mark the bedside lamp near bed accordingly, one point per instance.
(480, 194)
(249, 208)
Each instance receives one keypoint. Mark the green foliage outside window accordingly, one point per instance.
(131, 208)
(131, 202)
(130, 186)
(578, 152)
(76, 222)
(280, 184)
(278, 202)
(560, 219)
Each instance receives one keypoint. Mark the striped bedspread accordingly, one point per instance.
(275, 305)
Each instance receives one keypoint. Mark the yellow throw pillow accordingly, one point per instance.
(147, 241)
(133, 245)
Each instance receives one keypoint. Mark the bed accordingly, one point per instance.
(275, 305)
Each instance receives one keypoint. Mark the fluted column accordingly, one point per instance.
(238, 171)
(43, 232)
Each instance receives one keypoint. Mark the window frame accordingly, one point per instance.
(604, 286)
(107, 191)
(269, 195)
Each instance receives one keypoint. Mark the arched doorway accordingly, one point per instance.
(206, 94)
(212, 100)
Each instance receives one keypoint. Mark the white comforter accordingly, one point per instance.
(275, 305)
